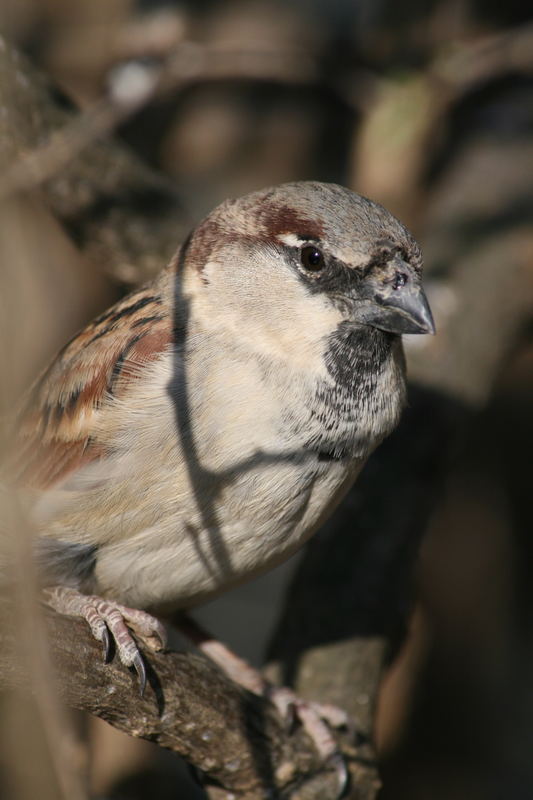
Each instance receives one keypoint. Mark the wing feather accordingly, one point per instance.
(54, 435)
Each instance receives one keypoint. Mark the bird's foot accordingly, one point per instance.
(110, 621)
(286, 701)
(317, 719)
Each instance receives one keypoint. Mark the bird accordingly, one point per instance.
(199, 431)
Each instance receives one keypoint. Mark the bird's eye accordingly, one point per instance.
(312, 259)
(400, 279)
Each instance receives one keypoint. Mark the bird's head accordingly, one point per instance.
(289, 264)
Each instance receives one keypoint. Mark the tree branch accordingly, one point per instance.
(234, 737)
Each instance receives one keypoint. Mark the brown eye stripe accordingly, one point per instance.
(277, 218)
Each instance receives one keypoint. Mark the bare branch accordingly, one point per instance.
(235, 738)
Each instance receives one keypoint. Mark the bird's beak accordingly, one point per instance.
(399, 308)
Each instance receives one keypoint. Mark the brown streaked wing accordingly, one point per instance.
(54, 436)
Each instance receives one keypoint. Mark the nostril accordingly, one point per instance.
(399, 280)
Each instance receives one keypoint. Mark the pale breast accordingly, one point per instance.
(258, 520)
(215, 476)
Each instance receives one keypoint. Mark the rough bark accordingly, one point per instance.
(236, 739)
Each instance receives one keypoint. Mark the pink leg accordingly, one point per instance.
(313, 716)
(106, 617)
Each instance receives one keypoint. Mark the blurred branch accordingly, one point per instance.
(124, 216)
(132, 85)
(235, 738)
(128, 218)
(66, 143)
(42, 755)
(35, 723)
(474, 62)
(416, 106)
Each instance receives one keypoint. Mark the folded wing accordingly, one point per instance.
(55, 432)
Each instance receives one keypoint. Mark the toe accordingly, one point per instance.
(109, 623)
(127, 648)
(126, 645)
(317, 729)
(285, 701)
(147, 627)
(335, 717)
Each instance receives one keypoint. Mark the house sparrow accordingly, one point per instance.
(199, 431)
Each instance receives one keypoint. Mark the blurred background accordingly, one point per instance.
(152, 112)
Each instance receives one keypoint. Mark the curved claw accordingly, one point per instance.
(338, 763)
(106, 646)
(140, 669)
(162, 636)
